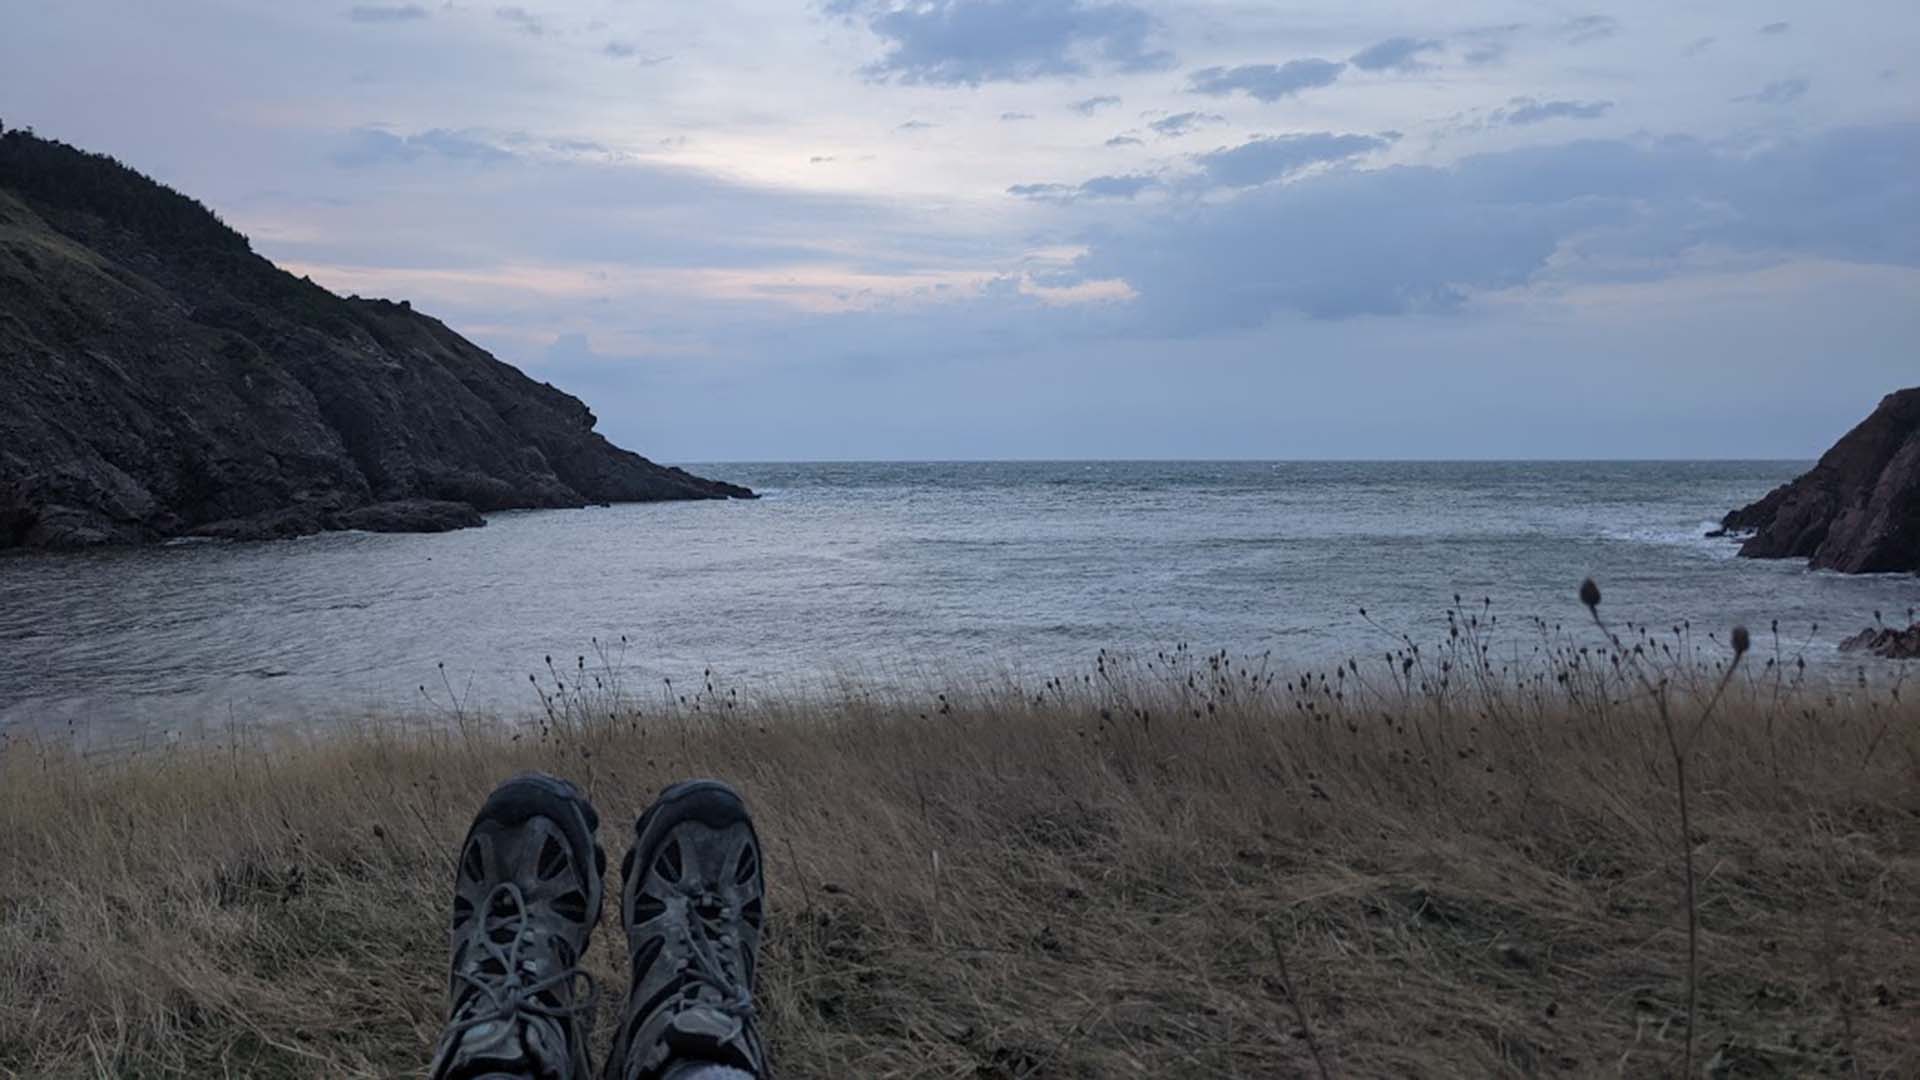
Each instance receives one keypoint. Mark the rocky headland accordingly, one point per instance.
(160, 379)
(1857, 510)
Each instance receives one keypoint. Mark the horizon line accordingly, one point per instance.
(1247, 461)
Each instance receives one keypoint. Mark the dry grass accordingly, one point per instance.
(1464, 862)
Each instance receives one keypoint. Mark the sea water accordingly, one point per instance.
(888, 572)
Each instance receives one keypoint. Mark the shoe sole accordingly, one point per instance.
(709, 802)
(534, 794)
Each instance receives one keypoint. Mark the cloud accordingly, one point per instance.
(1351, 242)
(1525, 110)
(1489, 44)
(1698, 46)
(623, 50)
(520, 17)
(917, 125)
(1089, 106)
(969, 42)
(1776, 28)
(1100, 187)
(1779, 92)
(677, 249)
(1266, 82)
(374, 146)
(1589, 28)
(1040, 191)
(1394, 54)
(1179, 124)
(578, 146)
(1117, 187)
(386, 13)
(1274, 156)
(819, 159)
(1010, 117)
(1125, 140)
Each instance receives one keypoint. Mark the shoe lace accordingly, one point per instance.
(510, 994)
(702, 967)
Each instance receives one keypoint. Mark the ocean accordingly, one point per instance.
(893, 573)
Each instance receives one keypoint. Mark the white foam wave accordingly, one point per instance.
(1694, 537)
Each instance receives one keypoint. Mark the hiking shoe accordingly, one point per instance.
(525, 898)
(690, 900)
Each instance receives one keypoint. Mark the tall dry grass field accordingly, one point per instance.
(1461, 861)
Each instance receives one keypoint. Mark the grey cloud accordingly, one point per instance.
(521, 18)
(618, 211)
(1124, 140)
(1117, 187)
(1181, 123)
(1271, 157)
(916, 125)
(969, 42)
(1100, 187)
(386, 13)
(1039, 191)
(1776, 28)
(1394, 54)
(1415, 238)
(1009, 117)
(1266, 82)
(1488, 44)
(622, 50)
(1698, 46)
(1488, 52)
(1779, 92)
(1523, 110)
(374, 146)
(1589, 28)
(1089, 106)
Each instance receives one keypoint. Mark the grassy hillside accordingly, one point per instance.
(1464, 861)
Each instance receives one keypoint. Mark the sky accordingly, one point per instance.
(969, 229)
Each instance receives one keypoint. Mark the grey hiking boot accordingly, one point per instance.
(525, 898)
(691, 901)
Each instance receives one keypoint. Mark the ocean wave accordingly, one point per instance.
(1694, 537)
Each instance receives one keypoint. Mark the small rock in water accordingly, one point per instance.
(1886, 641)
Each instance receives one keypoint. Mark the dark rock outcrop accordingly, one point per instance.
(159, 379)
(407, 515)
(1886, 641)
(1858, 509)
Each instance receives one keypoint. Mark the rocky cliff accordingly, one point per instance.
(1858, 509)
(158, 379)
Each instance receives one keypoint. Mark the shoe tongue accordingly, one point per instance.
(517, 1048)
(705, 1022)
(704, 1033)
